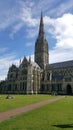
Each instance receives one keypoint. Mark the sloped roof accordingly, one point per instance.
(65, 64)
(34, 64)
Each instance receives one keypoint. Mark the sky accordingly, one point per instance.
(19, 25)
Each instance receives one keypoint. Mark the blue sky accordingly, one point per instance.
(19, 24)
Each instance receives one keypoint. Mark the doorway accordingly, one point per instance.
(69, 89)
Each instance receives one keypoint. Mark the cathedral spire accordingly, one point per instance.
(41, 29)
(41, 47)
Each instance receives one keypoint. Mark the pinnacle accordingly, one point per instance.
(41, 29)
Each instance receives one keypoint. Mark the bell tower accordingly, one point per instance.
(41, 47)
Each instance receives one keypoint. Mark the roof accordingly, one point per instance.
(65, 64)
(34, 64)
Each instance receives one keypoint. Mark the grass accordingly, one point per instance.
(20, 100)
(54, 116)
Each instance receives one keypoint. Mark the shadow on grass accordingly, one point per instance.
(64, 126)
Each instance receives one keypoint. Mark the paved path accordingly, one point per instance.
(10, 113)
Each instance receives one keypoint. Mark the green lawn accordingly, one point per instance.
(20, 100)
(54, 116)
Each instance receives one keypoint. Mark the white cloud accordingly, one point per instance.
(60, 55)
(63, 7)
(15, 29)
(62, 30)
(5, 62)
(23, 18)
(23, 13)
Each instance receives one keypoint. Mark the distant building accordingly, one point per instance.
(40, 76)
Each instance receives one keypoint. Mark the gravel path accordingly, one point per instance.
(10, 113)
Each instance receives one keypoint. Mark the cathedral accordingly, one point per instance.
(39, 76)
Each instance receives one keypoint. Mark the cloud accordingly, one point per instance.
(21, 17)
(61, 30)
(5, 62)
(8, 15)
(22, 13)
(61, 8)
(15, 29)
(60, 56)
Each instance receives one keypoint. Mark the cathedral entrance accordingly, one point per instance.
(69, 90)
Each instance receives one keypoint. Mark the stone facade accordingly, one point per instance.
(23, 80)
(40, 76)
(58, 78)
